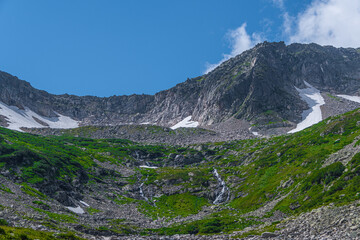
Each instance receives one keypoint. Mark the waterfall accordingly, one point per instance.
(137, 155)
(142, 193)
(220, 198)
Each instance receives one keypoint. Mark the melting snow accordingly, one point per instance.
(351, 98)
(84, 203)
(186, 122)
(144, 166)
(313, 115)
(18, 118)
(77, 210)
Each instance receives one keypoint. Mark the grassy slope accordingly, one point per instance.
(262, 165)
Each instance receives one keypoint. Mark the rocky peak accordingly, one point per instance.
(257, 86)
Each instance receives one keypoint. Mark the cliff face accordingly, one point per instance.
(257, 85)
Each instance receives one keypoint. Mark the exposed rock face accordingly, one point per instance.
(257, 85)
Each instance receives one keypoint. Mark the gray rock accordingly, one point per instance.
(268, 235)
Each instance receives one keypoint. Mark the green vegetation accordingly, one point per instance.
(32, 192)
(259, 231)
(332, 96)
(215, 224)
(119, 226)
(12, 233)
(257, 171)
(5, 189)
(3, 222)
(42, 204)
(57, 216)
(91, 210)
(183, 205)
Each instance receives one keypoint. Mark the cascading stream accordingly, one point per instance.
(141, 191)
(224, 189)
(137, 156)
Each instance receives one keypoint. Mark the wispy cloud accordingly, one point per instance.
(331, 22)
(240, 41)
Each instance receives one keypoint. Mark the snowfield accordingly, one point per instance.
(77, 210)
(18, 118)
(351, 98)
(313, 115)
(84, 203)
(150, 167)
(186, 122)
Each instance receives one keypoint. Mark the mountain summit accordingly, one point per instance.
(261, 86)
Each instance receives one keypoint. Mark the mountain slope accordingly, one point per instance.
(117, 187)
(258, 86)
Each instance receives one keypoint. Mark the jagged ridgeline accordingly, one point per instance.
(260, 87)
(114, 187)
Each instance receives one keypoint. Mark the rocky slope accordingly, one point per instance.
(257, 86)
(292, 186)
(230, 130)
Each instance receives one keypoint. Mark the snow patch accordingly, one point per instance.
(255, 133)
(77, 210)
(186, 122)
(351, 98)
(18, 118)
(84, 203)
(144, 166)
(313, 115)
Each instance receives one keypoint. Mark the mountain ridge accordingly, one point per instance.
(245, 87)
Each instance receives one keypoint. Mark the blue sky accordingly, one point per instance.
(105, 48)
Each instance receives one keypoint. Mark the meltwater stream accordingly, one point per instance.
(142, 192)
(220, 198)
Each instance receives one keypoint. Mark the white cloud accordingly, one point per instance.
(240, 41)
(330, 22)
(326, 22)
